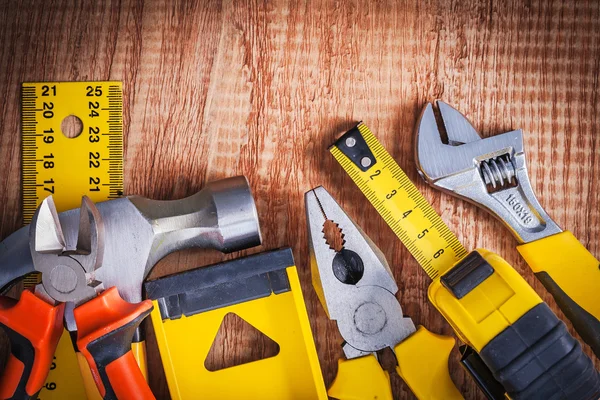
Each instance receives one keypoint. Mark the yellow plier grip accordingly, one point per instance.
(361, 378)
(572, 275)
(521, 341)
(422, 364)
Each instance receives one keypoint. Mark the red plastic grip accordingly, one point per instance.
(13, 371)
(34, 328)
(122, 372)
(106, 325)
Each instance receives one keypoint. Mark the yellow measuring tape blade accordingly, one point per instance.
(67, 168)
(398, 201)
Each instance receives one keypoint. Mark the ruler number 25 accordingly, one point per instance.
(93, 106)
(94, 135)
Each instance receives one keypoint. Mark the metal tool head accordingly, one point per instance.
(68, 269)
(354, 282)
(138, 233)
(489, 172)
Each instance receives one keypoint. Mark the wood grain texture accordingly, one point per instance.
(260, 88)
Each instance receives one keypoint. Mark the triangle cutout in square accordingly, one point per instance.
(237, 342)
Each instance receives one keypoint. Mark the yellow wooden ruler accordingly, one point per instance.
(398, 201)
(72, 145)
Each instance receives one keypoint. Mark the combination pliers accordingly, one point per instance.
(356, 288)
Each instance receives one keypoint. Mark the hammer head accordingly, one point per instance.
(138, 232)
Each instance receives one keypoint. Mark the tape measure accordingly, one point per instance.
(482, 297)
(398, 201)
(72, 145)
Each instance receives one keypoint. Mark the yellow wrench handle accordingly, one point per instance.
(572, 275)
(361, 378)
(423, 365)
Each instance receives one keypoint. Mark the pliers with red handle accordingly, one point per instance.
(106, 323)
(111, 245)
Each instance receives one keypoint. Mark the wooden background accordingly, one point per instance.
(218, 88)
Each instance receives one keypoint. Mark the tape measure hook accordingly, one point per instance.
(353, 145)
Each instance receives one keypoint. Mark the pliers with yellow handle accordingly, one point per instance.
(492, 174)
(357, 290)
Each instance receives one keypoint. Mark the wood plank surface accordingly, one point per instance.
(261, 88)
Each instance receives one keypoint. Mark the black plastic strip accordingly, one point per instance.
(111, 347)
(467, 275)
(585, 323)
(221, 285)
(279, 281)
(22, 349)
(482, 375)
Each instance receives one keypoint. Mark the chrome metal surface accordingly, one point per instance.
(67, 268)
(498, 173)
(139, 232)
(368, 315)
(490, 172)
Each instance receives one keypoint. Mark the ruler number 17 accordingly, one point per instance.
(48, 188)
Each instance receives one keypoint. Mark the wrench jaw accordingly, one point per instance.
(490, 173)
(355, 284)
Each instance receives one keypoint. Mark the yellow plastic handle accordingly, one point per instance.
(423, 365)
(361, 379)
(139, 353)
(91, 390)
(572, 275)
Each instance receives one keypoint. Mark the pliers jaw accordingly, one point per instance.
(489, 172)
(68, 269)
(355, 284)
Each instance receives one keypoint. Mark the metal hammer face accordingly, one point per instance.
(490, 172)
(139, 231)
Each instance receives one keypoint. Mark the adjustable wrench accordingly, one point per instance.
(491, 173)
